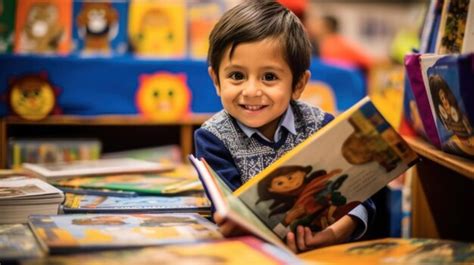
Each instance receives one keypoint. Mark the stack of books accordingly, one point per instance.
(21, 196)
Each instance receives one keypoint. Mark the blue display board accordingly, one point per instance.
(92, 86)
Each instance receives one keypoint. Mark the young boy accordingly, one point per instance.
(259, 56)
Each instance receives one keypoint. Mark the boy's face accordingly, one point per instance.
(255, 84)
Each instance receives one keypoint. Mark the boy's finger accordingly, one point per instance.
(309, 238)
(300, 239)
(218, 219)
(290, 242)
(226, 228)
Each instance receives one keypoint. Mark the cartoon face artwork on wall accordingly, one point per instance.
(42, 31)
(98, 25)
(163, 96)
(32, 97)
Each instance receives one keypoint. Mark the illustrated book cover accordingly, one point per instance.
(76, 203)
(94, 167)
(17, 242)
(22, 196)
(422, 119)
(449, 80)
(100, 27)
(242, 250)
(139, 183)
(202, 15)
(78, 232)
(157, 28)
(318, 181)
(394, 251)
(43, 26)
(454, 21)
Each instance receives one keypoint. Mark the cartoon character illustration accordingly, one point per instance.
(97, 24)
(385, 147)
(449, 112)
(163, 96)
(42, 31)
(156, 34)
(306, 199)
(32, 97)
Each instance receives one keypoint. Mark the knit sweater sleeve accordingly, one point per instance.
(209, 147)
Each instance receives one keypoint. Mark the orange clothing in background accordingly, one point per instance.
(337, 48)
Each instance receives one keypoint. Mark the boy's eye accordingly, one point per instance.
(236, 75)
(269, 77)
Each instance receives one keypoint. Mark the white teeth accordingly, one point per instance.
(251, 107)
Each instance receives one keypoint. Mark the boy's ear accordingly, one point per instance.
(301, 85)
(215, 81)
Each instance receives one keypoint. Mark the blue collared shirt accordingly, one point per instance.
(287, 121)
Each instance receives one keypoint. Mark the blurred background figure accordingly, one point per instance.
(332, 46)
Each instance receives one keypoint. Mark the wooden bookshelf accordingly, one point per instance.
(442, 194)
(17, 127)
(458, 164)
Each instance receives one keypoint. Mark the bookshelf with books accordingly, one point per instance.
(440, 78)
(116, 132)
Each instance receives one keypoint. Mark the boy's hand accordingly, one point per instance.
(336, 233)
(227, 227)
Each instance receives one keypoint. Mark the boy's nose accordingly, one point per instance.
(252, 90)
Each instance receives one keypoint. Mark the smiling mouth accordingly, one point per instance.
(253, 107)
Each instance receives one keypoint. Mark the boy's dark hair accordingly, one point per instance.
(255, 20)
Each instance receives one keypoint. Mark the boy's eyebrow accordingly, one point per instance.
(266, 68)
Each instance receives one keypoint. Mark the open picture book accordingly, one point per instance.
(326, 176)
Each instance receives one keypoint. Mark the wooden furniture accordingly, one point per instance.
(116, 132)
(442, 194)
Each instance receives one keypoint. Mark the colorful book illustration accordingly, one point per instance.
(17, 242)
(21, 196)
(7, 25)
(140, 183)
(94, 167)
(335, 169)
(157, 28)
(51, 150)
(43, 26)
(100, 27)
(78, 232)
(244, 250)
(449, 81)
(202, 16)
(452, 28)
(76, 203)
(394, 251)
(420, 108)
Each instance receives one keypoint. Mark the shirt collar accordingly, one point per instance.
(287, 121)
